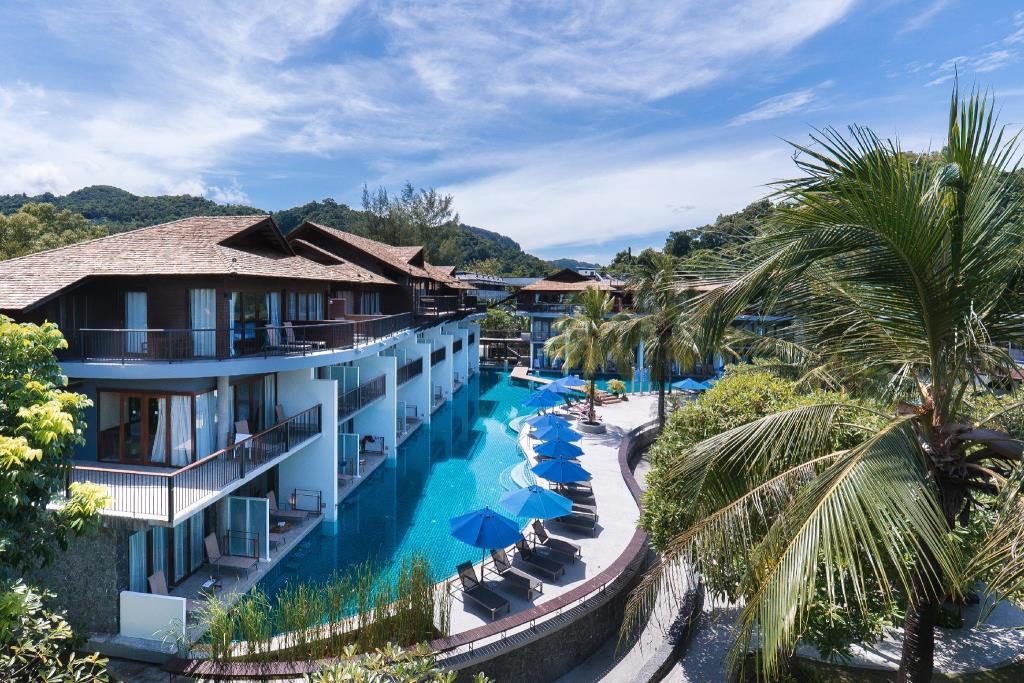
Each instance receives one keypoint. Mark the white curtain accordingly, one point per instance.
(231, 320)
(137, 562)
(136, 317)
(206, 428)
(181, 430)
(203, 304)
(159, 450)
(274, 308)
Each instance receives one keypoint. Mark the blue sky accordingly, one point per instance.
(575, 128)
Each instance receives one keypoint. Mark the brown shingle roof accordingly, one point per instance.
(204, 245)
(396, 257)
(356, 272)
(544, 285)
(444, 275)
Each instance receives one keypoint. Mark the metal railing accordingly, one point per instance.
(363, 395)
(438, 355)
(165, 495)
(545, 307)
(169, 345)
(412, 369)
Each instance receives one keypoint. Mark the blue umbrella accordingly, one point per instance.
(690, 385)
(545, 421)
(558, 448)
(543, 399)
(565, 385)
(560, 471)
(486, 529)
(563, 432)
(536, 502)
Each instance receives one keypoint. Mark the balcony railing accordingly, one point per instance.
(456, 346)
(546, 307)
(169, 345)
(363, 395)
(166, 495)
(410, 370)
(438, 355)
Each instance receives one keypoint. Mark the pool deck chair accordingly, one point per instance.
(158, 586)
(556, 545)
(479, 593)
(579, 497)
(230, 561)
(515, 578)
(584, 509)
(284, 514)
(548, 566)
(579, 521)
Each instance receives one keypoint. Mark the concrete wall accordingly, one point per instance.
(441, 374)
(380, 418)
(460, 360)
(88, 577)
(474, 348)
(315, 466)
(151, 617)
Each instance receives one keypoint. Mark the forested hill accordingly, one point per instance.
(463, 246)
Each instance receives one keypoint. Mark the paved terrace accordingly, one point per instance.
(616, 509)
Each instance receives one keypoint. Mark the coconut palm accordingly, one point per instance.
(582, 339)
(893, 264)
(657, 322)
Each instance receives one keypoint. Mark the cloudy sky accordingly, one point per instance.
(575, 128)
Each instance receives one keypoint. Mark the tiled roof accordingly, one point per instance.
(444, 275)
(396, 257)
(190, 246)
(355, 272)
(544, 285)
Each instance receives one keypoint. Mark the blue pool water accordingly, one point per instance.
(459, 463)
(602, 382)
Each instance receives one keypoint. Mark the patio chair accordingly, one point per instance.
(578, 521)
(289, 337)
(539, 562)
(584, 509)
(513, 577)
(158, 586)
(479, 593)
(556, 545)
(218, 560)
(284, 514)
(578, 496)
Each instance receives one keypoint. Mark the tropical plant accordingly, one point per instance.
(657, 322)
(617, 387)
(582, 340)
(892, 264)
(390, 663)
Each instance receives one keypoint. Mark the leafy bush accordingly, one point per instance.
(387, 664)
(617, 386)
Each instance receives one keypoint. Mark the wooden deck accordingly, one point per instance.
(521, 372)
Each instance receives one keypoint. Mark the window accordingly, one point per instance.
(249, 317)
(369, 303)
(143, 428)
(541, 329)
(255, 399)
(305, 306)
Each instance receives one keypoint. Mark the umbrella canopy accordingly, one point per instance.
(544, 398)
(690, 385)
(558, 448)
(545, 421)
(558, 431)
(485, 528)
(565, 385)
(536, 502)
(560, 471)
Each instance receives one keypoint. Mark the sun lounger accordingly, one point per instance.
(284, 514)
(584, 509)
(579, 522)
(555, 545)
(158, 586)
(230, 561)
(479, 593)
(579, 497)
(548, 566)
(514, 578)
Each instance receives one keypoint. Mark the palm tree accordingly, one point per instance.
(657, 322)
(582, 339)
(896, 265)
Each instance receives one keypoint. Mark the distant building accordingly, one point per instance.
(488, 289)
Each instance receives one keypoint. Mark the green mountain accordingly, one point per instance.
(572, 263)
(119, 210)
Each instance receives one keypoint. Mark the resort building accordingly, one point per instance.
(488, 289)
(243, 383)
(547, 299)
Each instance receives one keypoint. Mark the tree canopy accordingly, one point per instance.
(35, 227)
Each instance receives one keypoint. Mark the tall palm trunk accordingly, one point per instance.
(916, 659)
(591, 415)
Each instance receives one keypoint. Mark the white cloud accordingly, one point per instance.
(924, 17)
(589, 193)
(783, 105)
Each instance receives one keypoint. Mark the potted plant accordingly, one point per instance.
(618, 388)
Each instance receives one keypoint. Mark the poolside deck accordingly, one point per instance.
(522, 374)
(617, 511)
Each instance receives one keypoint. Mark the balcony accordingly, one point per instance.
(410, 371)
(546, 307)
(354, 400)
(444, 306)
(438, 355)
(172, 345)
(168, 495)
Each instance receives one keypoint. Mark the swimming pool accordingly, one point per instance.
(460, 462)
(601, 382)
